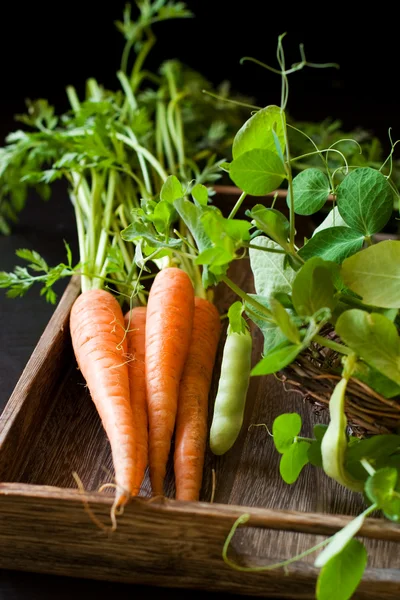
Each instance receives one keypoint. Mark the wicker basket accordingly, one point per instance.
(314, 375)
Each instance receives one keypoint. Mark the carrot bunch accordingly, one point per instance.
(173, 345)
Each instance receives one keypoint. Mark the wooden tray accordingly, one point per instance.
(50, 428)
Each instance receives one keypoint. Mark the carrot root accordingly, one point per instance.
(191, 423)
(97, 333)
(168, 331)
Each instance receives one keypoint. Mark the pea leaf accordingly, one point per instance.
(172, 189)
(381, 489)
(293, 461)
(310, 190)
(374, 338)
(272, 222)
(284, 429)
(271, 272)
(319, 431)
(257, 172)
(236, 321)
(365, 200)
(374, 274)
(314, 451)
(339, 541)
(376, 449)
(273, 335)
(200, 194)
(277, 359)
(333, 219)
(333, 243)
(285, 322)
(313, 287)
(376, 380)
(257, 132)
(340, 577)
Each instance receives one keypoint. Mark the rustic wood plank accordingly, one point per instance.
(22, 419)
(169, 544)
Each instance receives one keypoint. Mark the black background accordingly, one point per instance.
(45, 46)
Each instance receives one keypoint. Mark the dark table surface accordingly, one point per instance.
(43, 227)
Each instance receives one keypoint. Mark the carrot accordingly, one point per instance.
(191, 422)
(168, 330)
(96, 325)
(135, 322)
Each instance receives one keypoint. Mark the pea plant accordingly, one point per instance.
(340, 280)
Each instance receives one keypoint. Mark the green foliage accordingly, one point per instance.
(333, 243)
(257, 132)
(374, 274)
(340, 577)
(365, 200)
(313, 287)
(272, 222)
(374, 338)
(311, 189)
(271, 271)
(257, 172)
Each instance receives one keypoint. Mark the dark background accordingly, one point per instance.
(44, 47)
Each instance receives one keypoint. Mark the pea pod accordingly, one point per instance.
(334, 442)
(232, 391)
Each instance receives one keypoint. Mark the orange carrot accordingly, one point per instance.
(191, 421)
(135, 322)
(168, 330)
(97, 330)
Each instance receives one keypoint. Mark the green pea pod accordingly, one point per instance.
(334, 442)
(232, 391)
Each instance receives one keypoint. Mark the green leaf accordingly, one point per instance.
(340, 577)
(277, 359)
(314, 451)
(374, 274)
(142, 230)
(313, 288)
(333, 219)
(284, 429)
(376, 380)
(273, 335)
(334, 244)
(236, 322)
(381, 489)
(319, 431)
(200, 194)
(257, 172)
(163, 216)
(340, 540)
(365, 200)
(271, 272)
(293, 461)
(310, 190)
(171, 190)
(374, 338)
(272, 222)
(257, 132)
(191, 215)
(377, 446)
(285, 322)
(380, 486)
